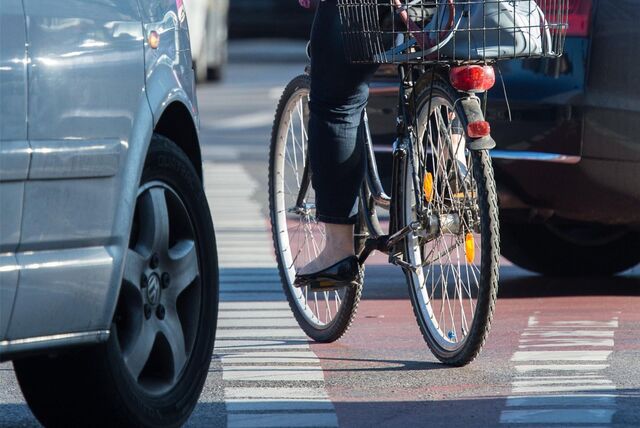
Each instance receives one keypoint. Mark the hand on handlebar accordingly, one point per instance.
(305, 3)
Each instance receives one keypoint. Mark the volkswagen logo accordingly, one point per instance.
(153, 289)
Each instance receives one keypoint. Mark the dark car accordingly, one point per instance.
(269, 18)
(568, 163)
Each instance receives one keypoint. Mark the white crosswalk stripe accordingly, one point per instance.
(258, 339)
(563, 381)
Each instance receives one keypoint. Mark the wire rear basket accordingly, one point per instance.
(452, 31)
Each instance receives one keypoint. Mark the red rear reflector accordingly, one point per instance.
(473, 78)
(478, 129)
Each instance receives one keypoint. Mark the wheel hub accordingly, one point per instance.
(154, 289)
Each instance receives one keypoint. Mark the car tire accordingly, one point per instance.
(214, 74)
(570, 249)
(94, 386)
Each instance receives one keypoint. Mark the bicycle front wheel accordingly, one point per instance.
(298, 237)
(454, 257)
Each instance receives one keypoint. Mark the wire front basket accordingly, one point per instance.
(452, 31)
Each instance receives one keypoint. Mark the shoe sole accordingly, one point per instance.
(328, 284)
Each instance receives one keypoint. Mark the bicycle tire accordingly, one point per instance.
(310, 322)
(442, 343)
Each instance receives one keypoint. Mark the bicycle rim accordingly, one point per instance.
(298, 236)
(454, 282)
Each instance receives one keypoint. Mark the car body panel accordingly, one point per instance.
(97, 90)
(613, 95)
(14, 147)
(78, 137)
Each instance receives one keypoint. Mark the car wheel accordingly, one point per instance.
(214, 74)
(570, 249)
(152, 369)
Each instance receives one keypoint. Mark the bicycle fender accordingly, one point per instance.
(472, 110)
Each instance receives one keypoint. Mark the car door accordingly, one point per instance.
(85, 85)
(14, 147)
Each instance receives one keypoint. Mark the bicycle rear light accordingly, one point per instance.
(472, 78)
(478, 129)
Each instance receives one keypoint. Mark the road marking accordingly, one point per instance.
(257, 322)
(277, 405)
(526, 368)
(561, 356)
(270, 393)
(564, 376)
(557, 416)
(271, 357)
(258, 338)
(273, 373)
(589, 400)
(240, 345)
(561, 343)
(278, 420)
(257, 314)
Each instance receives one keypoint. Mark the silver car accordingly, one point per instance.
(108, 265)
(208, 28)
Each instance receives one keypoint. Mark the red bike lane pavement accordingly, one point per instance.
(381, 372)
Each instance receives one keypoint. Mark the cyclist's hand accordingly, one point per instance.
(305, 3)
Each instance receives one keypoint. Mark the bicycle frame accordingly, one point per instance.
(402, 154)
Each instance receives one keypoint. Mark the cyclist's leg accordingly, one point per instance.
(339, 93)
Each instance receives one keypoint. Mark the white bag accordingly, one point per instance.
(492, 30)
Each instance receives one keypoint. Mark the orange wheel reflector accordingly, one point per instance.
(428, 186)
(469, 248)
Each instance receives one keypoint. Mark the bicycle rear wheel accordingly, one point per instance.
(297, 235)
(451, 192)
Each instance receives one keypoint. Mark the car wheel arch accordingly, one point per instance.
(176, 124)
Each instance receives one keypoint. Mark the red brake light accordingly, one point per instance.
(579, 18)
(579, 15)
(473, 78)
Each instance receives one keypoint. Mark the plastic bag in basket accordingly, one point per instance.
(490, 29)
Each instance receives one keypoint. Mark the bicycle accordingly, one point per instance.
(443, 209)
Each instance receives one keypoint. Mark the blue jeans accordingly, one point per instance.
(339, 94)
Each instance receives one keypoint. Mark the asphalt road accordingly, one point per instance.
(562, 352)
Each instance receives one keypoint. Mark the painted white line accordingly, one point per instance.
(275, 393)
(251, 297)
(561, 382)
(561, 388)
(250, 288)
(566, 343)
(278, 420)
(278, 405)
(592, 324)
(527, 368)
(254, 314)
(254, 305)
(576, 376)
(569, 333)
(294, 333)
(561, 356)
(557, 416)
(245, 121)
(271, 357)
(258, 322)
(261, 344)
(586, 400)
(273, 373)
